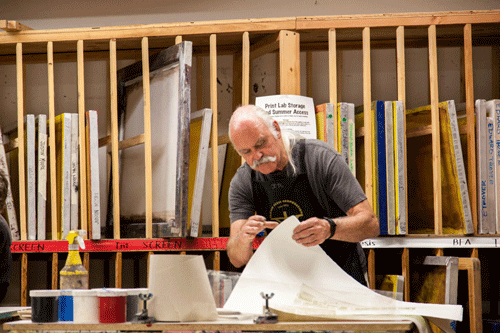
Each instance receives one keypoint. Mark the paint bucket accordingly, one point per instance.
(86, 306)
(112, 305)
(44, 307)
(65, 306)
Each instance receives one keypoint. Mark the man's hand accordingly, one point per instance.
(310, 232)
(254, 225)
(239, 246)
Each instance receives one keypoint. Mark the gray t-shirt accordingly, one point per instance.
(333, 184)
(323, 186)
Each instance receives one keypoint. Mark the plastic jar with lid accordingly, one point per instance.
(112, 305)
(86, 306)
(44, 307)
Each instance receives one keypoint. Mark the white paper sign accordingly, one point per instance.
(292, 112)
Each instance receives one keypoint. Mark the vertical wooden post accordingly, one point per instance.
(405, 268)
(332, 69)
(367, 97)
(436, 145)
(86, 262)
(199, 82)
(309, 75)
(114, 138)
(289, 63)
(473, 267)
(20, 138)
(147, 138)
(55, 270)
(215, 158)
(52, 142)
(401, 74)
(118, 270)
(245, 70)
(471, 129)
(371, 268)
(81, 137)
(237, 80)
(24, 279)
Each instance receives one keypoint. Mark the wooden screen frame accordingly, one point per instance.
(179, 57)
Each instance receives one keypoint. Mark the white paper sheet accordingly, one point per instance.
(308, 280)
(180, 287)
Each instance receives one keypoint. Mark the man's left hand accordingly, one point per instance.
(310, 232)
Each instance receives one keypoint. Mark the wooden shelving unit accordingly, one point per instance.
(245, 41)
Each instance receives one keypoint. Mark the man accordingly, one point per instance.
(287, 175)
(5, 240)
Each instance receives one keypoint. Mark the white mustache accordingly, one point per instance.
(263, 159)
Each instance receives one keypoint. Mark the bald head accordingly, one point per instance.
(257, 138)
(251, 116)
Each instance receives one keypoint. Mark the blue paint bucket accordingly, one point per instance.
(65, 305)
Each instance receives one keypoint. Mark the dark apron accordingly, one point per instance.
(281, 196)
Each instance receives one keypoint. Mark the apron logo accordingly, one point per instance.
(283, 209)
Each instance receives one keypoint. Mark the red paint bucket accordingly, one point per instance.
(112, 305)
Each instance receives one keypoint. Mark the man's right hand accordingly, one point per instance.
(254, 225)
(243, 232)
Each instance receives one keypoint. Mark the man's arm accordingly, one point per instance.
(241, 236)
(359, 224)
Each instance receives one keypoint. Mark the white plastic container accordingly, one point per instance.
(85, 306)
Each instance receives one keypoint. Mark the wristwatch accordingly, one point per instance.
(333, 226)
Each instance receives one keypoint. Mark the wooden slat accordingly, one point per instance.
(436, 145)
(332, 76)
(82, 138)
(20, 137)
(216, 261)
(371, 269)
(473, 268)
(125, 143)
(54, 274)
(405, 271)
(267, 45)
(245, 69)
(151, 30)
(289, 63)
(215, 158)
(367, 98)
(332, 66)
(401, 74)
(52, 141)
(24, 279)
(471, 129)
(395, 20)
(199, 82)
(114, 138)
(237, 79)
(213, 106)
(147, 138)
(178, 39)
(86, 262)
(118, 270)
(309, 74)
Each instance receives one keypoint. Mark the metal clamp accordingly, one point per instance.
(142, 317)
(268, 317)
